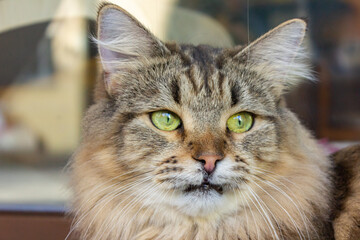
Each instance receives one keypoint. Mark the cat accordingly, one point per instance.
(195, 142)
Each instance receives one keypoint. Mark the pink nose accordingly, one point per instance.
(209, 161)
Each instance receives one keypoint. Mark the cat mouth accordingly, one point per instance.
(205, 187)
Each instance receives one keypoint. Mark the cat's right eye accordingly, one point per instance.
(165, 120)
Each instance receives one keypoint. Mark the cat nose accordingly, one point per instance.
(209, 161)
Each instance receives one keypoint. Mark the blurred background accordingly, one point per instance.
(48, 67)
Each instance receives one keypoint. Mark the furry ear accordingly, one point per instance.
(122, 40)
(279, 55)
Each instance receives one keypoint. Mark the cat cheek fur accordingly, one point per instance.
(133, 181)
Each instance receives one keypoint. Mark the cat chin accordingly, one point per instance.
(202, 204)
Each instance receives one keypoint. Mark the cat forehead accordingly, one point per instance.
(219, 80)
(199, 78)
(124, 45)
(202, 54)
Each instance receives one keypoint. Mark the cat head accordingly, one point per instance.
(194, 127)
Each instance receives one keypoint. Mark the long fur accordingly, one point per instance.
(130, 179)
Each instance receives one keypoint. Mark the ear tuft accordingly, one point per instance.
(279, 55)
(122, 39)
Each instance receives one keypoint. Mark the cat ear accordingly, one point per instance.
(122, 40)
(279, 55)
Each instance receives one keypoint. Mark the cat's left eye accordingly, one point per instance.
(240, 122)
(165, 120)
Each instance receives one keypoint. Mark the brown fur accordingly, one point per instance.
(130, 179)
(347, 193)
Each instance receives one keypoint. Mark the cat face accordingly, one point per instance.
(203, 96)
(194, 128)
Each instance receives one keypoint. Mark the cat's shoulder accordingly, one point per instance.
(347, 193)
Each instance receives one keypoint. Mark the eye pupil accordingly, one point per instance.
(239, 120)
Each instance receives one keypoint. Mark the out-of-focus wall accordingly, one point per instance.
(50, 107)
(169, 22)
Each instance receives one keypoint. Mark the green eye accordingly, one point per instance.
(165, 120)
(240, 122)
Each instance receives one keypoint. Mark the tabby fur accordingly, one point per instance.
(130, 178)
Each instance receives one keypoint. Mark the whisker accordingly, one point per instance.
(247, 220)
(125, 209)
(301, 213)
(111, 198)
(73, 225)
(271, 213)
(263, 171)
(262, 205)
(267, 221)
(292, 220)
(143, 205)
(92, 191)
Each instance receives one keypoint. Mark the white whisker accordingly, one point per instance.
(134, 184)
(267, 221)
(264, 211)
(292, 220)
(254, 220)
(126, 208)
(301, 213)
